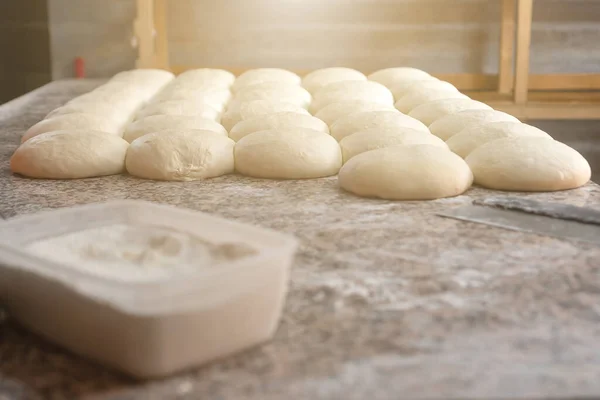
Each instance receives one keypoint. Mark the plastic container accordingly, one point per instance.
(146, 329)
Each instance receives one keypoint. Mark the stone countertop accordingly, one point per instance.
(387, 299)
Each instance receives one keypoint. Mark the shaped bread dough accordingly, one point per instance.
(155, 123)
(279, 122)
(112, 113)
(411, 172)
(451, 124)
(372, 92)
(144, 76)
(334, 111)
(261, 75)
(217, 98)
(320, 78)
(388, 76)
(272, 91)
(180, 155)
(126, 97)
(430, 112)
(416, 97)
(256, 108)
(361, 121)
(400, 89)
(180, 107)
(471, 138)
(528, 164)
(73, 121)
(377, 138)
(203, 76)
(70, 154)
(294, 153)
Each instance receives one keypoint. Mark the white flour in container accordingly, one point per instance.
(136, 252)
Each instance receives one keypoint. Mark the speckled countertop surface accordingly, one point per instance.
(387, 300)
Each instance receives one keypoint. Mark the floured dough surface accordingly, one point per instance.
(102, 109)
(73, 121)
(416, 97)
(213, 96)
(361, 121)
(262, 75)
(257, 108)
(528, 164)
(180, 155)
(471, 138)
(272, 91)
(451, 124)
(334, 111)
(411, 172)
(70, 154)
(155, 123)
(430, 112)
(318, 79)
(180, 107)
(402, 88)
(203, 76)
(367, 91)
(388, 76)
(288, 154)
(279, 122)
(377, 138)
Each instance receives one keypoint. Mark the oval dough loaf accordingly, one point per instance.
(272, 91)
(400, 89)
(217, 98)
(412, 172)
(180, 155)
(451, 124)
(279, 122)
(471, 138)
(377, 138)
(320, 78)
(180, 107)
(388, 76)
(416, 97)
(73, 121)
(288, 154)
(70, 154)
(528, 164)
(203, 76)
(143, 75)
(368, 91)
(261, 75)
(156, 123)
(334, 111)
(430, 112)
(256, 108)
(106, 110)
(361, 121)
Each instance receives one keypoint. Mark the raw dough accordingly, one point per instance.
(372, 92)
(144, 75)
(320, 78)
(156, 123)
(334, 111)
(279, 122)
(106, 110)
(400, 89)
(430, 112)
(180, 155)
(202, 76)
(272, 91)
(361, 121)
(412, 172)
(260, 75)
(288, 154)
(256, 108)
(451, 124)
(73, 121)
(217, 98)
(180, 107)
(70, 154)
(389, 76)
(376, 138)
(416, 97)
(528, 164)
(471, 138)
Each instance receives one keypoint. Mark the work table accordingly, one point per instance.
(387, 299)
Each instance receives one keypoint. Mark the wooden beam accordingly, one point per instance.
(507, 47)
(524, 22)
(161, 39)
(144, 32)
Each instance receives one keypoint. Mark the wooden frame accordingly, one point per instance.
(513, 90)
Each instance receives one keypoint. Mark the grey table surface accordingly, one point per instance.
(387, 300)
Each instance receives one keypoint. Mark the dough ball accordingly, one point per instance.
(430, 112)
(123, 98)
(412, 172)
(105, 110)
(389, 76)
(256, 108)
(70, 154)
(294, 153)
(261, 75)
(272, 91)
(180, 107)
(528, 164)
(203, 76)
(214, 97)
(372, 92)
(156, 123)
(180, 155)
(334, 111)
(144, 75)
(416, 97)
(73, 121)
(471, 138)
(320, 78)
(377, 138)
(361, 121)
(400, 89)
(122, 91)
(451, 124)
(279, 122)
